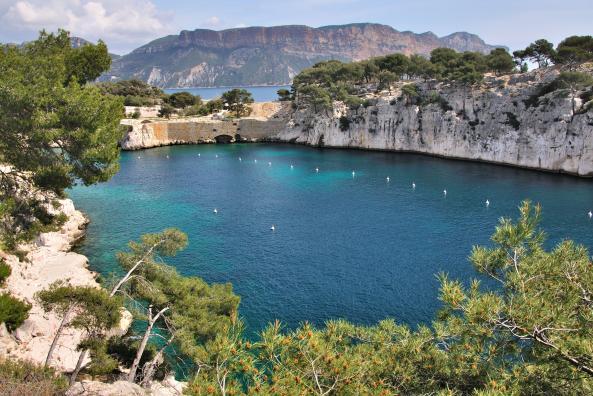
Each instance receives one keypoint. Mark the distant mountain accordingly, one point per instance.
(270, 55)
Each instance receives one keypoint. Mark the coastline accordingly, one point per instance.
(49, 258)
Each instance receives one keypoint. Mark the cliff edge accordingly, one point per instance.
(505, 120)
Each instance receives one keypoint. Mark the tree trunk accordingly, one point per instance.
(78, 367)
(136, 265)
(150, 367)
(54, 343)
(151, 321)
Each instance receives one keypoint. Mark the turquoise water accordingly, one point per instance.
(355, 247)
(260, 94)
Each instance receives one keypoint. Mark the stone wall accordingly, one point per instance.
(268, 120)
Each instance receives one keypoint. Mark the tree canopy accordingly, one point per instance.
(56, 130)
(531, 334)
(237, 101)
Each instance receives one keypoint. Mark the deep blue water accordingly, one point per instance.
(344, 247)
(260, 94)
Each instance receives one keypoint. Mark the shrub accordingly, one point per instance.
(512, 120)
(4, 271)
(13, 311)
(24, 378)
(194, 110)
(344, 123)
(166, 110)
(181, 100)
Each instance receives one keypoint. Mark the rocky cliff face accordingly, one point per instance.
(270, 55)
(495, 123)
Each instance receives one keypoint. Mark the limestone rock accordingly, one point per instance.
(493, 123)
(95, 388)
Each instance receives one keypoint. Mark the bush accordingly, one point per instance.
(181, 100)
(196, 110)
(344, 123)
(166, 110)
(5, 271)
(24, 378)
(13, 311)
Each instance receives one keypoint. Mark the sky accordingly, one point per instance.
(127, 24)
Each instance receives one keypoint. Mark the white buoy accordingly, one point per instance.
(269, 164)
(199, 155)
(487, 203)
(215, 210)
(353, 173)
(291, 166)
(139, 157)
(240, 159)
(590, 214)
(255, 161)
(216, 155)
(273, 228)
(445, 193)
(317, 170)
(413, 185)
(167, 156)
(388, 179)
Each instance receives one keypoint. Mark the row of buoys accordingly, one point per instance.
(388, 179)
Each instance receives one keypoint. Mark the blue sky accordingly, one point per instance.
(124, 25)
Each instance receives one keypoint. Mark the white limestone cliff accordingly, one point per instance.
(49, 259)
(492, 123)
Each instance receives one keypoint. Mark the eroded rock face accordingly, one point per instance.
(265, 120)
(49, 259)
(493, 123)
(270, 55)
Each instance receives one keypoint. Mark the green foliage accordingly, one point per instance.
(530, 335)
(500, 61)
(198, 312)
(181, 100)
(138, 92)
(19, 378)
(574, 50)
(87, 63)
(316, 97)
(344, 81)
(344, 123)
(102, 363)
(541, 51)
(166, 111)
(567, 83)
(5, 271)
(237, 101)
(55, 131)
(13, 311)
(410, 92)
(284, 95)
(89, 308)
(214, 105)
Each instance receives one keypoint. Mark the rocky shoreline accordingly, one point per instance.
(498, 123)
(48, 259)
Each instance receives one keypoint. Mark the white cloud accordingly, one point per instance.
(213, 22)
(124, 23)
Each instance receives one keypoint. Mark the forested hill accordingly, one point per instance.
(270, 55)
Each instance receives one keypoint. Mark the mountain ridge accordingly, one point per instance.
(260, 55)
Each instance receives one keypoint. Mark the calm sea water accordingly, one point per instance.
(260, 94)
(355, 247)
